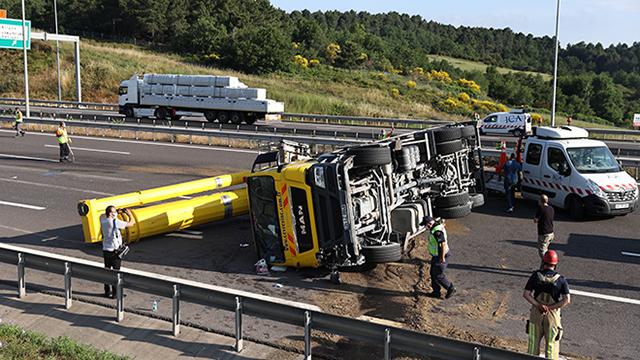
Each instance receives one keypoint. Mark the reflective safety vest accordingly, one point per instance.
(18, 117)
(433, 242)
(61, 135)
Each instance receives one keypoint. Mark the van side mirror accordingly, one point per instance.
(564, 169)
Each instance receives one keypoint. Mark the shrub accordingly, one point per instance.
(537, 119)
(301, 61)
(441, 76)
(485, 106)
(363, 57)
(314, 63)
(418, 70)
(464, 97)
(395, 92)
(469, 84)
(381, 76)
(333, 51)
(411, 84)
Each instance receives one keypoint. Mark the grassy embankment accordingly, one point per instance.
(16, 343)
(323, 90)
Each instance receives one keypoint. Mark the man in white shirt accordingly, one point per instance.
(112, 240)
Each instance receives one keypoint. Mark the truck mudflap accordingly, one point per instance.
(598, 206)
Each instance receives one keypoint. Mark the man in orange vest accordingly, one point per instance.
(63, 141)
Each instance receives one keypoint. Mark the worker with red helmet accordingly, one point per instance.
(547, 292)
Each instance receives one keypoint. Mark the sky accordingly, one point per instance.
(604, 21)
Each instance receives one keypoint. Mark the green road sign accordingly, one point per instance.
(11, 33)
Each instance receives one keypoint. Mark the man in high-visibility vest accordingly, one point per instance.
(439, 251)
(63, 141)
(18, 123)
(547, 292)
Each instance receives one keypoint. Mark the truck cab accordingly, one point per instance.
(128, 96)
(578, 174)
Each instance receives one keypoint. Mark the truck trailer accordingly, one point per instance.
(355, 205)
(221, 98)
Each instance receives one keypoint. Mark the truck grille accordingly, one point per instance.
(619, 196)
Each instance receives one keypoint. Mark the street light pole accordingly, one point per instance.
(55, 12)
(26, 71)
(555, 67)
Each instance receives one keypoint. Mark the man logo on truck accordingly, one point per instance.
(303, 226)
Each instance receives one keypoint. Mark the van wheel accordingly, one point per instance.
(517, 133)
(575, 207)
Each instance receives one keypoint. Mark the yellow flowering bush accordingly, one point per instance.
(295, 45)
(418, 70)
(442, 76)
(469, 84)
(301, 61)
(314, 62)
(333, 50)
(411, 84)
(537, 119)
(381, 76)
(464, 97)
(486, 106)
(363, 57)
(395, 92)
(212, 57)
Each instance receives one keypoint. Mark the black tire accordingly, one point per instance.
(370, 156)
(223, 117)
(382, 253)
(575, 207)
(128, 112)
(250, 120)
(518, 132)
(452, 200)
(476, 200)
(161, 113)
(210, 116)
(176, 117)
(236, 118)
(446, 134)
(449, 147)
(468, 132)
(454, 212)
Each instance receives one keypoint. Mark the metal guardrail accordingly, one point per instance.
(60, 104)
(307, 316)
(365, 121)
(194, 131)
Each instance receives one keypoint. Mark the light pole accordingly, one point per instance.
(555, 67)
(55, 14)
(26, 71)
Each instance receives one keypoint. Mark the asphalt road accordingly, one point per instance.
(492, 251)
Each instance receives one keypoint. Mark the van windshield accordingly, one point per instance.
(590, 160)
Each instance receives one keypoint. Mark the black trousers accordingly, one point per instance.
(111, 261)
(438, 277)
(64, 151)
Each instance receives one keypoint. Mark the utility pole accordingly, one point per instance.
(55, 12)
(26, 71)
(555, 67)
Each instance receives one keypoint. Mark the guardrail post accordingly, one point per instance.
(22, 287)
(239, 342)
(176, 310)
(476, 353)
(387, 344)
(67, 285)
(119, 298)
(307, 335)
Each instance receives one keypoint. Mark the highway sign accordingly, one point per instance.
(11, 33)
(636, 120)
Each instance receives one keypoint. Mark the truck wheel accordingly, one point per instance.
(223, 117)
(449, 147)
(382, 253)
(452, 200)
(250, 120)
(176, 117)
(575, 207)
(446, 134)
(454, 212)
(210, 116)
(476, 200)
(128, 112)
(370, 156)
(237, 118)
(161, 113)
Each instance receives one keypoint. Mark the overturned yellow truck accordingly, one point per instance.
(344, 208)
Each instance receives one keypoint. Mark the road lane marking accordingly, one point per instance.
(606, 297)
(94, 150)
(25, 206)
(59, 187)
(49, 238)
(185, 236)
(27, 158)
(186, 146)
(630, 254)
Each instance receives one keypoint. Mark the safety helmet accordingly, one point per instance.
(550, 257)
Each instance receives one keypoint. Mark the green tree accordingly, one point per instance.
(259, 50)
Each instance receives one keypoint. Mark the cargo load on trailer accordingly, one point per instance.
(221, 98)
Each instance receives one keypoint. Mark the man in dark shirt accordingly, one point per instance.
(547, 292)
(511, 170)
(544, 219)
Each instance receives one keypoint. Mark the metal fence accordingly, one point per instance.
(307, 316)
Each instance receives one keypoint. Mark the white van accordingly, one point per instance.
(576, 173)
(516, 123)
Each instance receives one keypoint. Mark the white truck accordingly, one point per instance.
(222, 98)
(578, 174)
(516, 123)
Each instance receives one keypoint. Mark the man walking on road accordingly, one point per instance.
(511, 169)
(544, 219)
(110, 226)
(439, 251)
(18, 123)
(63, 141)
(547, 292)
